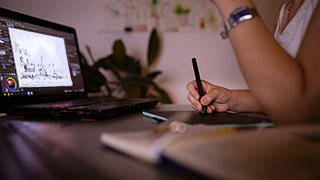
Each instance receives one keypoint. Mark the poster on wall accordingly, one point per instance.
(165, 15)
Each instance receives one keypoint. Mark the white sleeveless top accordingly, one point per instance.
(292, 36)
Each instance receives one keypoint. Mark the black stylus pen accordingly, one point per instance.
(198, 80)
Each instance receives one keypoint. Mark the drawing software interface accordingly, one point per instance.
(37, 60)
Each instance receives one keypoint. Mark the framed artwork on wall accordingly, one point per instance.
(165, 15)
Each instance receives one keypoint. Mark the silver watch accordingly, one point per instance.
(238, 15)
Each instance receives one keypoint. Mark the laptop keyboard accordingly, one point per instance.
(74, 104)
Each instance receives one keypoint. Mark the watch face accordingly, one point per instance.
(238, 13)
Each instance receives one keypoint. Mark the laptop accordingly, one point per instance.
(40, 73)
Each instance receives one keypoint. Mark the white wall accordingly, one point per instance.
(216, 60)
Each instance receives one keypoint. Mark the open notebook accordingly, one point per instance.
(40, 63)
(228, 153)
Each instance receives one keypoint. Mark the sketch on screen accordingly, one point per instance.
(40, 60)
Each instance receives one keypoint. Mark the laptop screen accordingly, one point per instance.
(38, 58)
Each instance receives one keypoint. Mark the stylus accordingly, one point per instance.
(198, 80)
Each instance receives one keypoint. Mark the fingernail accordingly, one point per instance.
(204, 101)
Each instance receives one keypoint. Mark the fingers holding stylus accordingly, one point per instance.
(193, 97)
(216, 98)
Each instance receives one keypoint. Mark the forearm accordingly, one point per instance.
(275, 79)
(270, 72)
(244, 101)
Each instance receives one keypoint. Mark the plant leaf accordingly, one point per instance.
(93, 78)
(164, 97)
(119, 50)
(154, 2)
(132, 91)
(102, 62)
(91, 88)
(153, 46)
(83, 59)
(153, 75)
(132, 66)
(118, 63)
(115, 72)
(136, 80)
(127, 64)
(136, 85)
(108, 64)
(109, 90)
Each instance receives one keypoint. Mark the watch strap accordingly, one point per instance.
(238, 15)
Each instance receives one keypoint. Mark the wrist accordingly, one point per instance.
(234, 101)
(244, 101)
(226, 7)
(237, 16)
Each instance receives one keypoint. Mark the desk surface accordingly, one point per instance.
(42, 148)
(45, 148)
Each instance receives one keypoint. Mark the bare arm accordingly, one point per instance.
(287, 89)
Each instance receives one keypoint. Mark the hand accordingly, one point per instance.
(216, 98)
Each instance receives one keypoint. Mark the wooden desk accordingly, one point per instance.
(44, 148)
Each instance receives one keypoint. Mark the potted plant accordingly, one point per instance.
(135, 80)
(182, 14)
